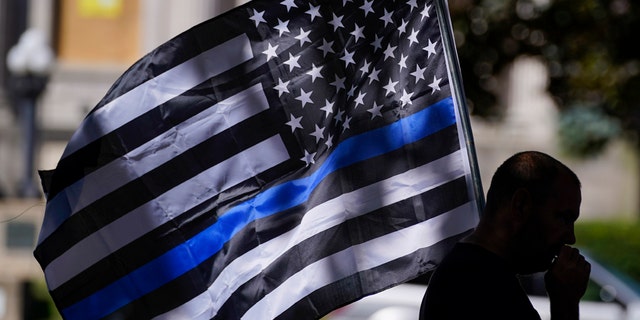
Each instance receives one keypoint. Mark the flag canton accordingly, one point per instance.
(339, 68)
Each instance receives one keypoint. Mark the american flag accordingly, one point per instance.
(278, 161)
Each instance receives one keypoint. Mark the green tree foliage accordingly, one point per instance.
(590, 48)
(614, 243)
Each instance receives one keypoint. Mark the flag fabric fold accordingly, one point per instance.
(278, 161)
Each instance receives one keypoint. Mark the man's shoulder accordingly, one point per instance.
(473, 259)
(472, 281)
(469, 269)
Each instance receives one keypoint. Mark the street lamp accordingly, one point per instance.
(30, 62)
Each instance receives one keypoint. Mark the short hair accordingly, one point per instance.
(532, 170)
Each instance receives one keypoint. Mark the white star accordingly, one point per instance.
(282, 27)
(313, 12)
(419, 73)
(294, 123)
(360, 99)
(308, 158)
(318, 133)
(338, 83)
(328, 107)
(388, 53)
(358, 32)
(347, 58)
(365, 67)
(406, 97)
(351, 92)
(374, 75)
(326, 47)
(336, 22)
(387, 17)
(430, 48)
(367, 7)
(257, 17)
(303, 36)
(344, 2)
(390, 87)
(271, 51)
(346, 124)
(304, 97)
(289, 4)
(375, 110)
(403, 27)
(377, 43)
(315, 72)
(338, 116)
(403, 61)
(435, 85)
(282, 87)
(413, 4)
(425, 12)
(413, 37)
(329, 141)
(292, 62)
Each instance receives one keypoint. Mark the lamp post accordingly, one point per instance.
(29, 62)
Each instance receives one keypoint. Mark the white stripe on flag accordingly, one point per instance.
(160, 89)
(316, 220)
(157, 151)
(361, 257)
(169, 205)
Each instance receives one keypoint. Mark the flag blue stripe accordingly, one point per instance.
(204, 245)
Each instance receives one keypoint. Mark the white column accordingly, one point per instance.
(40, 17)
(531, 115)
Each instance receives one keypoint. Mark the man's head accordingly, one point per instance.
(538, 199)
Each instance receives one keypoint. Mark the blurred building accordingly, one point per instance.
(610, 183)
(95, 41)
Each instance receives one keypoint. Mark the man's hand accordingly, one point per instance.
(566, 282)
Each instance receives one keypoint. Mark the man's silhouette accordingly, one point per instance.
(526, 227)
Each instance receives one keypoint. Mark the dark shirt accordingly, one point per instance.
(474, 283)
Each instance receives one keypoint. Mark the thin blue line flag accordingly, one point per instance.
(278, 161)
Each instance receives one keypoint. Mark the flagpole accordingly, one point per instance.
(449, 48)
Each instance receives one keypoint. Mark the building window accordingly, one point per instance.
(20, 235)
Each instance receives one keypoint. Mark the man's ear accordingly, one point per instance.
(521, 204)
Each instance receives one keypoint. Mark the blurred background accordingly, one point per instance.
(558, 76)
